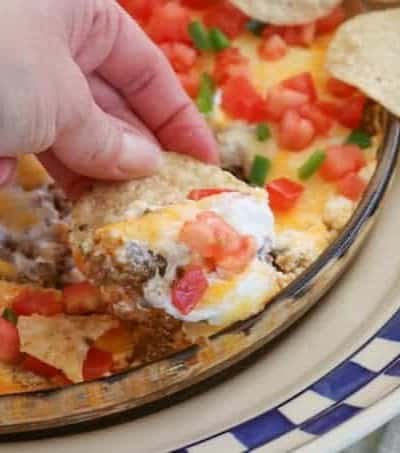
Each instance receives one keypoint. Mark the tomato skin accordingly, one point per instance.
(321, 122)
(190, 82)
(331, 22)
(36, 366)
(141, 10)
(283, 194)
(303, 83)
(341, 160)
(36, 301)
(81, 298)
(199, 194)
(97, 363)
(295, 133)
(230, 63)
(188, 291)
(273, 48)
(339, 89)
(351, 114)
(352, 186)
(281, 99)
(229, 19)
(198, 4)
(330, 109)
(241, 100)
(181, 56)
(169, 23)
(9, 342)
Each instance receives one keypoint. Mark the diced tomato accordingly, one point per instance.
(241, 100)
(199, 194)
(303, 83)
(225, 16)
(281, 99)
(141, 10)
(97, 363)
(273, 48)
(322, 123)
(181, 56)
(330, 109)
(351, 114)
(35, 301)
(341, 160)
(169, 23)
(81, 298)
(237, 262)
(352, 186)
(38, 367)
(198, 4)
(9, 342)
(300, 35)
(329, 23)
(188, 290)
(295, 133)
(283, 194)
(339, 89)
(190, 82)
(271, 30)
(230, 63)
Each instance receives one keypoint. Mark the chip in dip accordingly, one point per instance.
(283, 12)
(365, 53)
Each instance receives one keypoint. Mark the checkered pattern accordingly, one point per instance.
(354, 385)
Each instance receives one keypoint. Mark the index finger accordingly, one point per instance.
(142, 74)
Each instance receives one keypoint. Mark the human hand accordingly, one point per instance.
(83, 87)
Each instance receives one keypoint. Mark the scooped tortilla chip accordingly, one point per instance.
(62, 341)
(286, 12)
(366, 53)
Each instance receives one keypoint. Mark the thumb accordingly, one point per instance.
(104, 147)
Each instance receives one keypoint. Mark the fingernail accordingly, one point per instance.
(140, 157)
(7, 170)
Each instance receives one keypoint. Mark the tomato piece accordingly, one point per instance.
(303, 83)
(295, 133)
(81, 298)
(341, 160)
(281, 99)
(97, 363)
(225, 16)
(35, 301)
(141, 10)
(198, 4)
(230, 63)
(181, 56)
(9, 342)
(351, 114)
(321, 122)
(273, 48)
(330, 109)
(352, 186)
(241, 100)
(169, 23)
(300, 35)
(237, 262)
(38, 367)
(199, 194)
(284, 194)
(339, 89)
(188, 290)
(331, 22)
(190, 82)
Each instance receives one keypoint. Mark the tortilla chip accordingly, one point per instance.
(286, 12)
(62, 341)
(366, 53)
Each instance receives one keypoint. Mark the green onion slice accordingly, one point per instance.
(205, 98)
(255, 26)
(259, 170)
(263, 132)
(312, 164)
(360, 138)
(9, 315)
(219, 41)
(199, 35)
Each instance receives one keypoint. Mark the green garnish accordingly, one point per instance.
(255, 26)
(199, 35)
(263, 132)
(312, 164)
(259, 170)
(219, 41)
(9, 315)
(205, 98)
(360, 138)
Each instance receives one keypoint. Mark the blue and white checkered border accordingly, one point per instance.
(365, 377)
